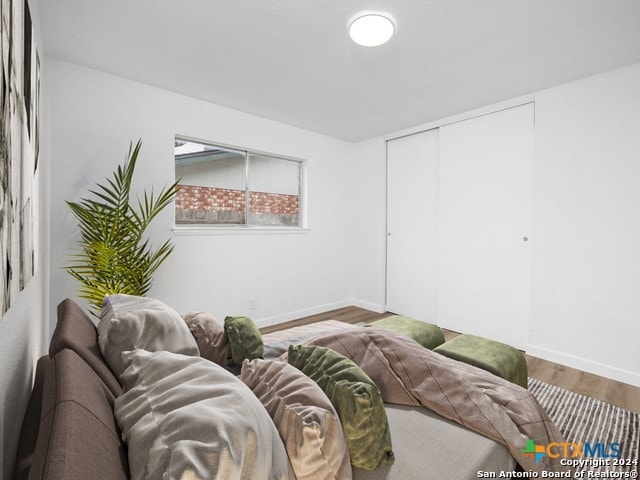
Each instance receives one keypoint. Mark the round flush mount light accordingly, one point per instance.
(371, 29)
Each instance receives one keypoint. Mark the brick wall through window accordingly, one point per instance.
(196, 204)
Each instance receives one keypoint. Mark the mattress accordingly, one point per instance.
(430, 447)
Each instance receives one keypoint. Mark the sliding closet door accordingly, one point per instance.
(484, 225)
(412, 195)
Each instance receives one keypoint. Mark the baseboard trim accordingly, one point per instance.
(614, 373)
(306, 312)
(286, 317)
(374, 307)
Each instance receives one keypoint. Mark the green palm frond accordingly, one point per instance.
(114, 257)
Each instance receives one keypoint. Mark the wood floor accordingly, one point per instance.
(610, 391)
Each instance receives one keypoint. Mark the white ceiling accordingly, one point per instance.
(293, 60)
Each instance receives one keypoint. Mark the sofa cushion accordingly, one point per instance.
(129, 322)
(78, 437)
(30, 424)
(77, 332)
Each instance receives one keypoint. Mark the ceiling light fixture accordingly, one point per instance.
(371, 29)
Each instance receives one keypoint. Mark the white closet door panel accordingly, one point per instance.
(483, 218)
(412, 196)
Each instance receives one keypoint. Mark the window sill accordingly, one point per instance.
(237, 230)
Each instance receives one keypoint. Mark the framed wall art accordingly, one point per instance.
(19, 149)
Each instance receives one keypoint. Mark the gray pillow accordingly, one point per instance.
(129, 322)
(210, 336)
(187, 418)
(308, 424)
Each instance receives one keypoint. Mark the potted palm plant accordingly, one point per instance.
(114, 256)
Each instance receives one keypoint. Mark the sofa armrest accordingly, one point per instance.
(78, 438)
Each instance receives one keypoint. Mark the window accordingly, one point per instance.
(234, 187)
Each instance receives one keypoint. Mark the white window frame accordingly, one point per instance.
(248, 228)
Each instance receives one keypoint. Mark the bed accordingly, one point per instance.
(81, 424)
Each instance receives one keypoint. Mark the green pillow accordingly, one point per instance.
(426, 334)
(244, 338)
(357, 401)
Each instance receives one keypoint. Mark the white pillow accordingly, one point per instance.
(129, 322)
(188, 418)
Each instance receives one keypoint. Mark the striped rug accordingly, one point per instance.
(587, 420)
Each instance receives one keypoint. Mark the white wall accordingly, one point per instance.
(24, 332)
(586, 259)
(94, 116)
(23, 339)
(585, 272)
